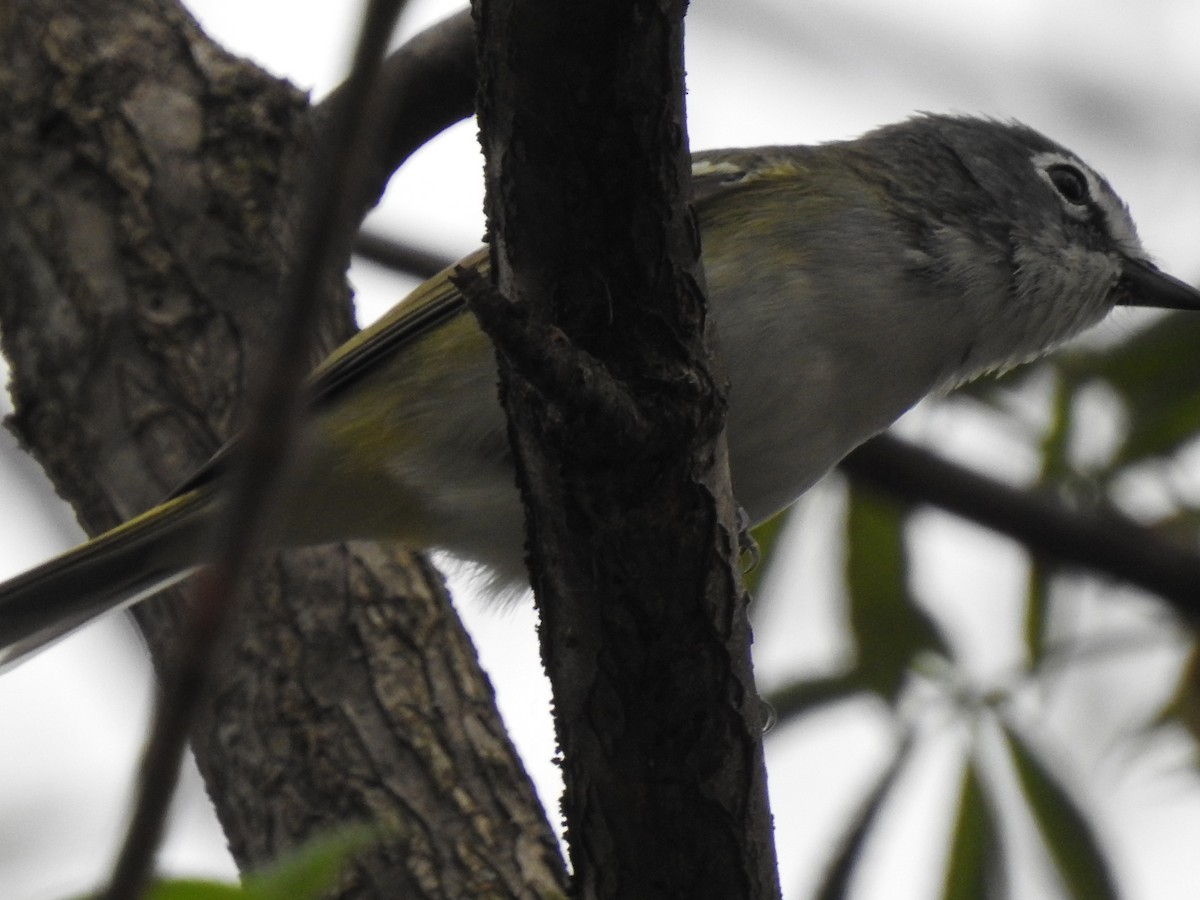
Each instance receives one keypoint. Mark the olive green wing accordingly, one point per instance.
(716, 173)
(429, 306)
(437, 301)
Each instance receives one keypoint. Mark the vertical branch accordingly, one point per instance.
(616, 416)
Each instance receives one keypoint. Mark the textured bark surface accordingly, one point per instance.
(616, 411)
(144, 224)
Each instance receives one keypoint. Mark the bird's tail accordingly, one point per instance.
(116, 569)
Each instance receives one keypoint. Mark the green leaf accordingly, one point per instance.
(889, 628)
(194, 889)
(836, 884)
(1064, 828)
(1056, 466)
(304, 874)
(312, 869)
(1037, 608)
(1156, 376)
(803, 696)
(972, 864)
(1184, 706)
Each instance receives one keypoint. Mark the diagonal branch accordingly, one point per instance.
(1114, 546)
(401, 258)
(425, 87)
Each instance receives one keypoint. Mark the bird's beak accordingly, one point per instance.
(1144, 284)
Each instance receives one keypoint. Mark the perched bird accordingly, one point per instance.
(847, 281)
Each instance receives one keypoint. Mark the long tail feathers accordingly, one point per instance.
(116, 569)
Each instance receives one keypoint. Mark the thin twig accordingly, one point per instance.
(398, 257)
(327, 217)
(424, 87)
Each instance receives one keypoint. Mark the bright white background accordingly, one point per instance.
(1116, 81)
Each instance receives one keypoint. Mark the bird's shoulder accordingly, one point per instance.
(430, 305)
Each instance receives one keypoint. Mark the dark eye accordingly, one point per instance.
(1070, 183)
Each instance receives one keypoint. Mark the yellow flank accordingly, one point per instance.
(371, 460)
(432, 291)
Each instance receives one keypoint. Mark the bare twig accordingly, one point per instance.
(424, 87)
(398, 257)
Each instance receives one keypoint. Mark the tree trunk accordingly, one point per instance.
(145, 226)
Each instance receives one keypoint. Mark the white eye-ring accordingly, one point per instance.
(1073, 182)
(1070, 183)
(1087, 198)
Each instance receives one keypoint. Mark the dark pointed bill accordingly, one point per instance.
(1146, 285)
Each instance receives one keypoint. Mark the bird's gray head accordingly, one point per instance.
(1039, 243)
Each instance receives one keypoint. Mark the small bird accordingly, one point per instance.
(846, 280)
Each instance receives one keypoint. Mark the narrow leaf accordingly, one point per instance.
(312, 869)
(889, 628)
(1069, 838)
(974, 858)
(1056, 467)
(836, 884)
(1037, 609)
(304, 874)
(800, 697)
(1184, 705)
(1154, 374)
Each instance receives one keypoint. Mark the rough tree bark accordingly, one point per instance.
(144, 227)
(616, 412)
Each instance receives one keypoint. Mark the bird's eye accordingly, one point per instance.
(1070, 183)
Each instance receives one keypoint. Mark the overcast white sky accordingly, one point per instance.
(1116, 80)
